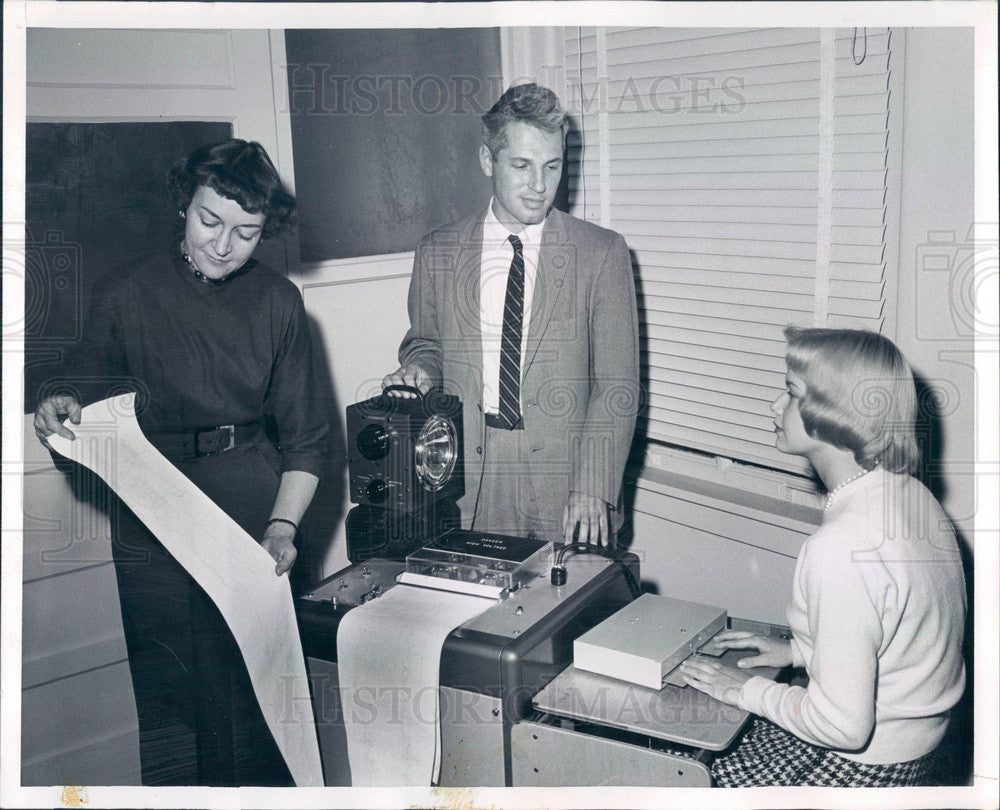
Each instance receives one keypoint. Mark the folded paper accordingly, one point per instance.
(388, 661)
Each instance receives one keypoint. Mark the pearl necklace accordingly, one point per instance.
(840, 486)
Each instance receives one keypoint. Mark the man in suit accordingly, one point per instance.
(529, 316)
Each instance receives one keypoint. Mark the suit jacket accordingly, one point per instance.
(580, 371)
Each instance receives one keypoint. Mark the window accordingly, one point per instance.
(749, 171)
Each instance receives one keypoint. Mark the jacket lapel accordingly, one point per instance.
(469, 259)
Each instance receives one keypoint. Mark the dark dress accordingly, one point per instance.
(200, 355)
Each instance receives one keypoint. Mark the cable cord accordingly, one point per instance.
(611, 554)
(864, 46)
(479, 488)
(583, 175)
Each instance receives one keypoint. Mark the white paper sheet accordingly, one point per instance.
(388, 663)
(235, 571)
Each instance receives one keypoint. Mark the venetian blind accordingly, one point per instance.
(747, 170)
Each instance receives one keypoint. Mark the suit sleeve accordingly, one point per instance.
(422, 343)
(602, 444)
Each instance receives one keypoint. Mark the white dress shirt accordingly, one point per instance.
(493, 271)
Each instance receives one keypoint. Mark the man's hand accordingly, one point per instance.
(773, 652)
(714, 679)
(591, 515)
(50, 414)
(410, 374)
(279, 542)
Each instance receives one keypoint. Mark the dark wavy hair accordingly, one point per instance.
(860, 395)
(241, 171)
(525, 103)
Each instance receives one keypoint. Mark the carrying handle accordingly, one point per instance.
(410, 389)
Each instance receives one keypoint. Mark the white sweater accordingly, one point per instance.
(877, 616)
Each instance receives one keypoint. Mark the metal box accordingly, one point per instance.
(405, 454)
(477, 562)
(646, 639)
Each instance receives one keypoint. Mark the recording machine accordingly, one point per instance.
(515, 709)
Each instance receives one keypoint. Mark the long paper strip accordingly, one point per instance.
(232, 568)
(388, 664)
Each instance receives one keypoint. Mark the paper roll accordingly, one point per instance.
(232, 568)
(388, 660)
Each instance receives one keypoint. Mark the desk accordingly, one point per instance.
(601, 731)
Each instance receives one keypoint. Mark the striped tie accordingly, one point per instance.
(510, 339)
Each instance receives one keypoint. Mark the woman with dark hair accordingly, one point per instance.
(878, 600)
(214, 344)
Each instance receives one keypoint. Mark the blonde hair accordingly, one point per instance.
(523, 103)
(860, 395)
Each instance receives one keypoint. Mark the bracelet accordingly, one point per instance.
(283, 520)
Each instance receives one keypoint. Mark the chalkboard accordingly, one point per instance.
(385, 132)
(95, 199)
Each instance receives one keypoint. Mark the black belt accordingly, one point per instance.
(204, 442)
(495, 420)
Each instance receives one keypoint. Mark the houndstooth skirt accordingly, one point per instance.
(769, 756)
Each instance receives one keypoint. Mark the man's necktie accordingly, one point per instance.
(510, 339)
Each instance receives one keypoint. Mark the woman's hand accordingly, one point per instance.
(294, 494)
(773, 652)
(279, 542)
(50, 414)
(714, 678)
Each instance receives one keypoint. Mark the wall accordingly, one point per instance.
(707, 542)
(165, 75)
(78, 722)
(935, 323)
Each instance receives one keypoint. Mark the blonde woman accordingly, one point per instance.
(878, 600)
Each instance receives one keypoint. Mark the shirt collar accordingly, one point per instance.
(495, 232)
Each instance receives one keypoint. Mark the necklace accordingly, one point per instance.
(201, 276)
(832, 493)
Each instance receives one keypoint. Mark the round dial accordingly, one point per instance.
(377, 490)
(373, 442)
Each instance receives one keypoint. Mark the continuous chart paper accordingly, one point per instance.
(388, 660)
(232, 568)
